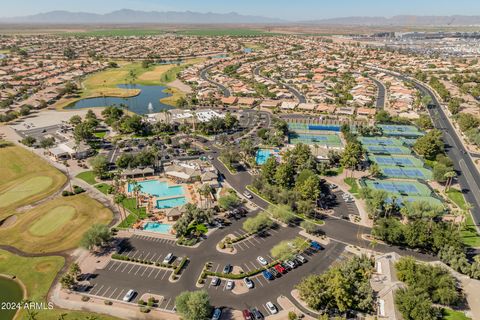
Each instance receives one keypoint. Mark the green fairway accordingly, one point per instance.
(51, 221)
(25, 178)
(87, 176)
(55, 225)
(115, 33)
(224, 32)
(25, 190)
(37, 275)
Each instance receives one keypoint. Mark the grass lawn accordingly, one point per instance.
(87, 176)
(449, 314)
(469, 234)
(100, 134)
(52, 227)
(354, 188)
(136, 213)
(37, 274)
(175, 95)
(103, 187)
(224, 32)
(26, 178)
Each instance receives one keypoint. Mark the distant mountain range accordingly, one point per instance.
(405, 20)
(127, 16)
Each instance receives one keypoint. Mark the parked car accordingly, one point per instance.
(230, 285)
(280, 269)
(274, 272)
(315, 245)
(215, 281)
(129, 295)
(332, 186)
(271, 307)
(247, 315)
(217, 313)
(248, 195)
(227, 269)
(248, 283)
(286, 266)
(168, 258)
(301, 258)
(262, 260)
(267, 275)
(256, 314)
(291, 264)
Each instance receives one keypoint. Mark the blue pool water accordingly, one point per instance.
(263, 155)
(171, 203)
(158, 188)
(157, 227)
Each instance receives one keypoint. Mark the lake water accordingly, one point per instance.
(149, 95)
(10, 291)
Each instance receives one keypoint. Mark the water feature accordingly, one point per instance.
(159, 188)
(147, 101)
(157, 227)
(10, 291)
(171, 203)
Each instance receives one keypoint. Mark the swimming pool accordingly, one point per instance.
(262, 156)
(171, 203)
(158, 188)
(157, 227)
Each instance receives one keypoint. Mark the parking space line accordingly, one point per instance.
(274, 231)
(153, 269)
(133, 266)
(261, 238)
(151, 259)
(137, 270)
(250, 241)
(120, 294)
(111, 294)
(134, 254)
(98, 290)
(216, 268)
(260, 281)
(239, 246)
(119, 265)
(270, 257)
(146, 257)
(168, 302)
(265, 308)
(110, 265)
(255, 238)
(146, 268)
(126, 265)
(164, 274)
(159, 270)
(246, 267)
(253, 264)
(94, 285)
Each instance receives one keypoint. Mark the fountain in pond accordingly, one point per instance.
(150, 107)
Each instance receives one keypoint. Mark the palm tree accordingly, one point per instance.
(205, 191)
(118, 199)
(65, 163)
(449, 176)
(136, 190)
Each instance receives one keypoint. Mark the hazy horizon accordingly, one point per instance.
(278, 9)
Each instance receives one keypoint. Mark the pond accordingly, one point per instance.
(10, 291)
(148, 101)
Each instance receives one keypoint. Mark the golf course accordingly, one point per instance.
(26, 178)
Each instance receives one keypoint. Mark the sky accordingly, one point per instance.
(293, 10)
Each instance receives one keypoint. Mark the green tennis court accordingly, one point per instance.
(406, 188)
(328, 140)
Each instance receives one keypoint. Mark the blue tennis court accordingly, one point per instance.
(379, 149)
(407, 173)
(400, 130)
(410, 188)
(380, 141)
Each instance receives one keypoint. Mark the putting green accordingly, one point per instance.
(24, 190)
(52, 221)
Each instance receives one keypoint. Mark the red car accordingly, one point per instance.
(247, 315)
(280, 269)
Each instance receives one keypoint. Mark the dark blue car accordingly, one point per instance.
(315, 245)
(267, 275)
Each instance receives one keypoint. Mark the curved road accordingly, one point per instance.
(204, 76)
(300, 97)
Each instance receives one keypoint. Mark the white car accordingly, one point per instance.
(129, 295)
(262, 260)
(168, 258)
(271, 307)
(248, 195)
(215, 281)
(229, 285)
(248, 283)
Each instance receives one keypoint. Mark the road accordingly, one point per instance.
(204, 75)
(381, 94)
(300, 97)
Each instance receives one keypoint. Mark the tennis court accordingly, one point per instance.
(406, 173)
(382, 141)
(328, 140)
(405, 188)
(400, 130)
(293, 126)
(401, 161)
(379, 149)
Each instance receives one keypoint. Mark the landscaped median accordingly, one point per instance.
(208, 273)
